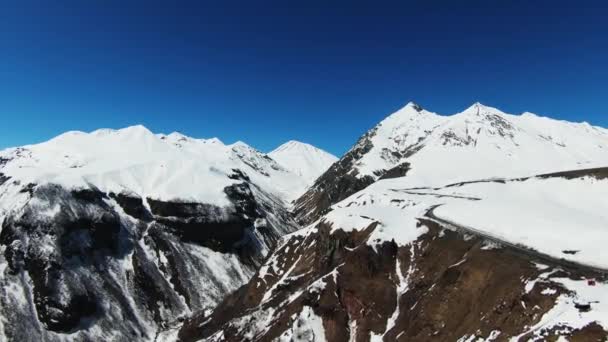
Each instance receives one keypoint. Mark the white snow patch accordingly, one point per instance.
(550, 215)
(307, 327)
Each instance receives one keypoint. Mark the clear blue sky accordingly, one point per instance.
(265, 72)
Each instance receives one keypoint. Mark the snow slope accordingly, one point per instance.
(549, 215)
(480, 142)
(303, 159)
(134, 160)
(430, 150)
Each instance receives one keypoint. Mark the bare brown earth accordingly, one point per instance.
(456, 287)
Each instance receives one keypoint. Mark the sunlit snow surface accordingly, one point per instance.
(549, 215)
(169, 167)
(306, 327)
(303, 159)
(479, 142)
(564, 313)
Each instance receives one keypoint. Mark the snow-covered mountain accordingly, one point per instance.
(303, 159)
(491, 260)
(479, 226)
(134, 160)
(431, 149)
(117, 234)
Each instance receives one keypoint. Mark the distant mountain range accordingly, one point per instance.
(477, 226)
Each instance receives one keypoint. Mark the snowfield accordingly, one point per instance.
(562, 218)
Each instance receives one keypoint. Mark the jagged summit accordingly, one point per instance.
(410, 111)
(240, 144)
(134, 134)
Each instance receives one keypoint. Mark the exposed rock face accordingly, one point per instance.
(84, 265)
(442, 287)
(337, 183)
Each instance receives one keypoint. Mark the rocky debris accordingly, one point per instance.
(396, 172)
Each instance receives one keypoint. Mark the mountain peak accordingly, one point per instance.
(478, 108)
(411, 111)
(294, 145)
(414, 106)
(304, 159)
(240, 145)
(135, 130)
(130, 131)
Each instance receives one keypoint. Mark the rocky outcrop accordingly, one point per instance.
(442, 287)
(337, 183)
(86, 265)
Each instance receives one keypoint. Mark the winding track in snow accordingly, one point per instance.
(430, 214)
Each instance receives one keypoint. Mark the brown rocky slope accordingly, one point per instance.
(444, 286)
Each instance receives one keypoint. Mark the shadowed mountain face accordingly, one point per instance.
(93, 265)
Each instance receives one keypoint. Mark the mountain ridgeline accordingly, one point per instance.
(477, 226)
(116, 235)
(432, 149)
